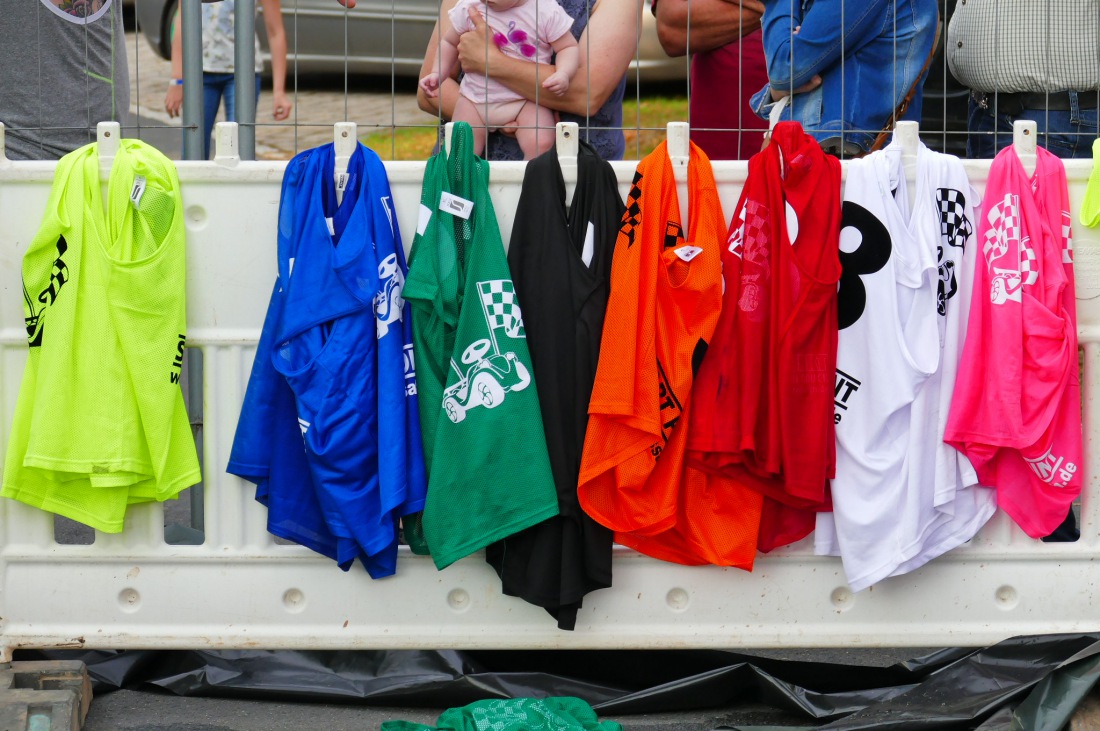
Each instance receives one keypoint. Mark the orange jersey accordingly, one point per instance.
(666, 295)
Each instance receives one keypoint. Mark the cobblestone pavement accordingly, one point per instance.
(320, 101)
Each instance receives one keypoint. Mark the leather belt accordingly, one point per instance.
(1013, 104)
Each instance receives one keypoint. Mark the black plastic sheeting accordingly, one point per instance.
(1033, 683)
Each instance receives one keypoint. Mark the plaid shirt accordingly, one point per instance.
(1025, 46)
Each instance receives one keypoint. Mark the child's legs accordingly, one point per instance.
(467, 111)
(536, 130)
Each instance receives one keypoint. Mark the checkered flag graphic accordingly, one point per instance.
(751, 233)
(498, 296)
(1029, 269)
(1004, 229)
(954, 225)
(1067, 238)
(756, 235)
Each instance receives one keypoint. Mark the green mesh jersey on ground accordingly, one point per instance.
(562, 713)
(100, 421)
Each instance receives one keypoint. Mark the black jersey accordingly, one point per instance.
(561, 266)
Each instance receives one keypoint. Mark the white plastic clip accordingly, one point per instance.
(345, 137)
(567, 144)
(1025, 140)
(226, 150)
(448, 130)
(3, 156)
(679, 152)
(907, 133)
(108, 137)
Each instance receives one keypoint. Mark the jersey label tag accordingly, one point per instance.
(589, 248)
(341, 182)
(423, 219)
(137, 191)
(331, 228)
(687, 253)
(456, 206)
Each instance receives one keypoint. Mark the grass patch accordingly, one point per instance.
(403, 143)
(644, 121)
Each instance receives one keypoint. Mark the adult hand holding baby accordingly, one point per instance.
(475, 52)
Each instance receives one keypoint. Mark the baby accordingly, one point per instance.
(523, 29)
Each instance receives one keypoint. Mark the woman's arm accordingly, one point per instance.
(714, 23)
(607, 46)
(173, 100)
(276, 42)
(448, 87)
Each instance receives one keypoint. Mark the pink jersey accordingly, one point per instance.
(1016, 411)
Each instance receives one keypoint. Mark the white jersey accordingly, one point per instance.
(900, 495)
(945, 506)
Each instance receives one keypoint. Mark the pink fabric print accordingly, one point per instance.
(517, 37)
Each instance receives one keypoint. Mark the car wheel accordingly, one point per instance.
(166, 29)
(490, 392)
(454, 410)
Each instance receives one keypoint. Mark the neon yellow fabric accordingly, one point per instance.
(1090, 208)
(100, 421)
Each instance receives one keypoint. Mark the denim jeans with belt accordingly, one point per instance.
(1065, 132)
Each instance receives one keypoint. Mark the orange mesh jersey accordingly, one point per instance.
(666, 295)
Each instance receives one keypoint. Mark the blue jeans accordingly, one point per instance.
(214, 87)
(1065, 132)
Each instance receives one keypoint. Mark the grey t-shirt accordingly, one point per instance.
(64, 71)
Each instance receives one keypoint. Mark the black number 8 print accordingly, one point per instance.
(871, 255)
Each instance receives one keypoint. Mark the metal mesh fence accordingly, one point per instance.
(1037, 58)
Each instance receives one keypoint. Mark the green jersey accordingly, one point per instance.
(489, 473)
(100, 421)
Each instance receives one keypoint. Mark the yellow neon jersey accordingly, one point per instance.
(100, 421)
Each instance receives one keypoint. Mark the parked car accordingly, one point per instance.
(377, 37)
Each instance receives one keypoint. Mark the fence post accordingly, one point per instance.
(244, 24)
(191, 28)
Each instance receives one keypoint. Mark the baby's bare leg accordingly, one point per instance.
(467, 111)
(536, 130)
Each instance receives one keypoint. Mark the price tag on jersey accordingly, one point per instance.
(423, 219)
(137, 191)
(341, 182)
(687, 253)
(455, 206)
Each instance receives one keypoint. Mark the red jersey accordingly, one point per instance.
(764, 396)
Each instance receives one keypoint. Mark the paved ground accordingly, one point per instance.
(319, 102)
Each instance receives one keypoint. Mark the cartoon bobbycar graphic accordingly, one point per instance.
(489, 374)
(486, 382)
(388, 303)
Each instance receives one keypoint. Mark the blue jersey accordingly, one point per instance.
(334, 341)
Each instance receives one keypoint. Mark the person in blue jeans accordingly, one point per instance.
(218, 65)
(1022, 63)
(845, 68)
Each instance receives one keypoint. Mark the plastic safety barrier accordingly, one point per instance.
(241, 589)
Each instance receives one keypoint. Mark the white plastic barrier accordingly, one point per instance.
(241, 589)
